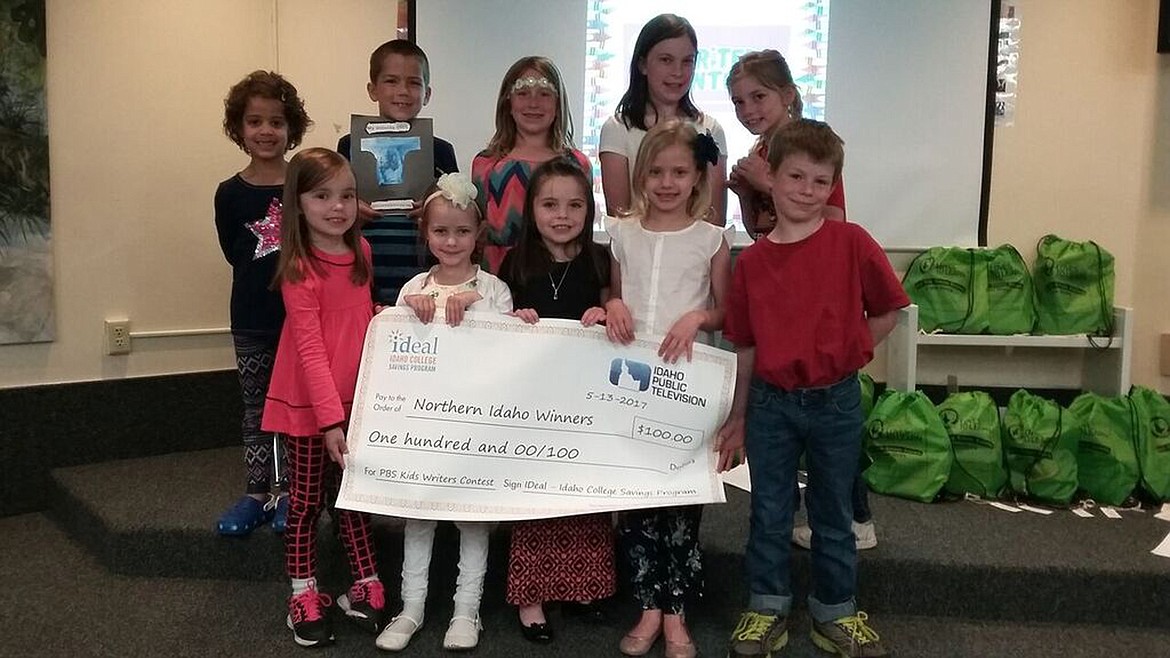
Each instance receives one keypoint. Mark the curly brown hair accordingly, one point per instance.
(265, 84)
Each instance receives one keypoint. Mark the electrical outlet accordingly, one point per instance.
(117, 336)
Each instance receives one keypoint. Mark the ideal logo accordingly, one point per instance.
(403, 343)
(630, 375)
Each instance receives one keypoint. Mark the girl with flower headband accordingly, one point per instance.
(765, 98)
(533, 125)
(661, 70)
(669, 277)
(452, 226)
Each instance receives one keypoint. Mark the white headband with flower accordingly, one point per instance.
(456, 188)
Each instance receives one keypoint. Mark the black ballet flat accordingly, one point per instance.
(591, 612)
(537, 633)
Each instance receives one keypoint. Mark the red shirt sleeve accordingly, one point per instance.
(837, 195)
(303, 316)
(737, 326)
(881, 291)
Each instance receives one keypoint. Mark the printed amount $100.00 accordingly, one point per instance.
(646, 429)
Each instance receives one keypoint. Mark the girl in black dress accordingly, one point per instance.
(556, 271)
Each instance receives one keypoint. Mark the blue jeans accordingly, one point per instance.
(825, 424)
(861, 511)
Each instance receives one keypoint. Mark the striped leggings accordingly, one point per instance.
(311, 473)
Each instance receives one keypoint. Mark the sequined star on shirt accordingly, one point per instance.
(267, 231)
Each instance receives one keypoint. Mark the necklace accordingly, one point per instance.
(556, 285)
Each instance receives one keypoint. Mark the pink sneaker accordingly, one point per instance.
(308, 618)
(365, 605)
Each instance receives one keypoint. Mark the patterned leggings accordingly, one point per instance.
(311, 474)
(661, 550)
(254, 359)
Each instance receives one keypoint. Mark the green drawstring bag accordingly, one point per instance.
(867, 388)
(972, 421)
(1073, 283)
(949, 285)
(1011, 308)
(866, 395)
(1152, 440)
(908, 447)
(1040, 448)
(1107, 466)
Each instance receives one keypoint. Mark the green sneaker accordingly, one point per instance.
(849, 637)
(758, 635)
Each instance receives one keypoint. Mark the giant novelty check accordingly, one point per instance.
(500, 420)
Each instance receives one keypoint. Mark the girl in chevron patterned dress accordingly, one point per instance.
(533, 125)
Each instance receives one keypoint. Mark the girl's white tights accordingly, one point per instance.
(419, 538)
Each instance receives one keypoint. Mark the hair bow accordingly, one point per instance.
(706, 150)
(456, 188)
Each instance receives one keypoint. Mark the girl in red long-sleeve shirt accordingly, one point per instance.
(324, 278)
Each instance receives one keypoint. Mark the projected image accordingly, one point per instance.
(726, 30)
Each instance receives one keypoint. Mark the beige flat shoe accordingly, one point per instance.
(397, 633)
(632, 645)
(680, 650)
(462, 634)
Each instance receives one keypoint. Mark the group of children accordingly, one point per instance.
(804, 307)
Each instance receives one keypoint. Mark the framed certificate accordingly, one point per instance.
(393, 161)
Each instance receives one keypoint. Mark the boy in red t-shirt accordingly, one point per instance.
(808, 303)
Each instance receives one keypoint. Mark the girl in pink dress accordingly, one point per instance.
(324, 278)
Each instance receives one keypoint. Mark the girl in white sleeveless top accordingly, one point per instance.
(670, 276)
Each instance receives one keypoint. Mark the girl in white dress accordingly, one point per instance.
(453, 228)
(670, 276)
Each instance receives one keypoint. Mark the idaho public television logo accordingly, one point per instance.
(630, 375)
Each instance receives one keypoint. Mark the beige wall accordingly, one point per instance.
(135, 99)
(1089, 154)
(136, 152)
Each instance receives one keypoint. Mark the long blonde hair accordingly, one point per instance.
(308, 170)
(560, 133)
(664, 135)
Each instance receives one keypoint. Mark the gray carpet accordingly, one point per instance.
(58, 601)
(116, 577)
